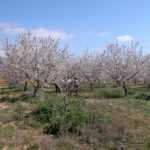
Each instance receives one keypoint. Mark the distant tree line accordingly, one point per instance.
(40, 61)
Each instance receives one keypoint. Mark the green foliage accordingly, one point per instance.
(107, 122)
(58, 118)
(131, 92)
(43, 113)
(9, 99)
(112, 94)
(143, 96)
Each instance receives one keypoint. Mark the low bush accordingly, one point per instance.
(59, 120)
(143, 96)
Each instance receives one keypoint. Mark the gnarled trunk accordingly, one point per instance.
(125, 88)
(36, 87)
(57, 88)
(25, 86)
(35, 91)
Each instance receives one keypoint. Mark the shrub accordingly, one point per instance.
(143, 96)
(60, 121)
(43, 113)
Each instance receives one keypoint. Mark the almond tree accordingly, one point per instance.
(33, 59)
(45, 61)
(87, 68)
(92, 67)
(146, 73)
(122, 63)
(73, 68)
(10, 63)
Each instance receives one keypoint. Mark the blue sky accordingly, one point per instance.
(79, 23)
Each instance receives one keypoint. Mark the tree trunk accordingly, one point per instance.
(148, 87)
(125, 91)
(57, 88)
(36, 87)
(35, 91)
(25, 86)
(125, 88)
(38, 84)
